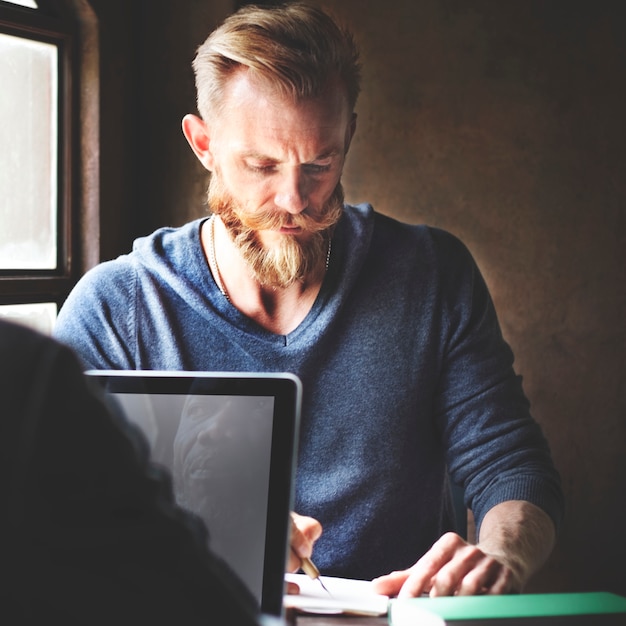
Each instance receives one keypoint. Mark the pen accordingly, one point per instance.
(309, 568)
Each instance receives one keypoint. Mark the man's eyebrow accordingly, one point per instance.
(258, 156)
(333, 152)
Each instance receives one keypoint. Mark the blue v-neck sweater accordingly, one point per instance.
(407, 379)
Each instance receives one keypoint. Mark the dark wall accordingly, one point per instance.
(502, 122)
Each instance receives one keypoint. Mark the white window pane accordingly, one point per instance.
(40, 316)
(31, 4)
(28, 154)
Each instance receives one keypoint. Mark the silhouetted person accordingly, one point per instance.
(90, 532)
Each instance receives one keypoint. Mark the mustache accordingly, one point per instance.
(274, 220)
(237, 219)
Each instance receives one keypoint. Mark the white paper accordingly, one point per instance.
(353, 597)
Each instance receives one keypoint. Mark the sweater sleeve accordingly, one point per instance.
(98, 319)
(495, 450)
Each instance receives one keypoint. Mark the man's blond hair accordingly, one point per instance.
(295, 47)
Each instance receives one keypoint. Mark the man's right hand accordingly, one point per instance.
(305, 531)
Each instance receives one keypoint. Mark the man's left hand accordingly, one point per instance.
(515, 540)
(451, 567)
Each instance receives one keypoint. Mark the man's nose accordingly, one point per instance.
(292, 195)
(208, 434)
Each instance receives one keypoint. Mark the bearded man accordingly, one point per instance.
(407, 380)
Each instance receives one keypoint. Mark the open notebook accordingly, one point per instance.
(345, 596)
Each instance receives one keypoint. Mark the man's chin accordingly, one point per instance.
(286, 261)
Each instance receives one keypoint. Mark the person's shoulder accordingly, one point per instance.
(448, 244)
(107, 278)
(150, 251)
(163, 245)
(16, 338)
(105, 291)
(23, 348)
(169, 241)
(365, 219)
(430, 239)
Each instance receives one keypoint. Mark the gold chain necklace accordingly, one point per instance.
(213, 259)
(215, 267)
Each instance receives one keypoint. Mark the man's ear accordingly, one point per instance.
(197, 134)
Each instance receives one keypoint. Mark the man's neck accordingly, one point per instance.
(278, 310)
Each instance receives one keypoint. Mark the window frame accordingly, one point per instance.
(51, 23)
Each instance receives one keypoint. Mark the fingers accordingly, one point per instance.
(390, 584)
(470, 572)
(481, 579)
(418, 579)
(293, 562)
(305, 531)
(293, 589)
(423, 576)
(450, 567)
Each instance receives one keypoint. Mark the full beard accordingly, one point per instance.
(291, 260)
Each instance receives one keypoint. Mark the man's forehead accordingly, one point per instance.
(245, 87)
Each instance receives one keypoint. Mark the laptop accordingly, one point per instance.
(229, 442)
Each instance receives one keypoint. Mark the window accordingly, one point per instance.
(29, 136)
(37, 163)
(25, 3)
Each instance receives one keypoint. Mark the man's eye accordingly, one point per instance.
(261, 167)
(317, 168)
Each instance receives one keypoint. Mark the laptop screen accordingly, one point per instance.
(228, 441)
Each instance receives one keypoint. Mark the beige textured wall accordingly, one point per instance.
(502, 122)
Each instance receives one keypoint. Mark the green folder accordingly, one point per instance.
(508, 606)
